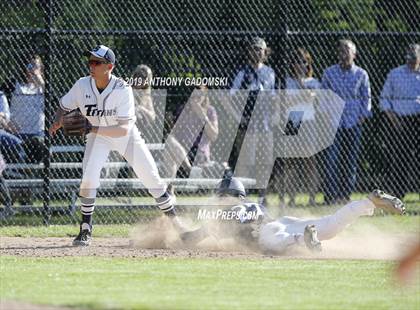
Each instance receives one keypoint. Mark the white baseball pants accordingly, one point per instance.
(278, 235)
(133, 148)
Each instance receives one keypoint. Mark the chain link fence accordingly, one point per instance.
(377, 141)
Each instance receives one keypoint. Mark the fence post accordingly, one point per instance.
(49, 40)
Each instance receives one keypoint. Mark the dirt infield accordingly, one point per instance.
(101, 247)
(339, 248)
(158, 239)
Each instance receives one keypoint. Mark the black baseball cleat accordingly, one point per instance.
(387, 202)
(85, 235)
(310, 236)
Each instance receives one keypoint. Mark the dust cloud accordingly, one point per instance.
(359, 241)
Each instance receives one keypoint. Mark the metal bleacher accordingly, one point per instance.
(32, 185)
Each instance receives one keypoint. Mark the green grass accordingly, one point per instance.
(97, 283)
(390, 224)
(411, 200)
(184, 283)
(120, 214)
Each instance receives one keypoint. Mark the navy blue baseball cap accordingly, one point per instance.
(104, 52)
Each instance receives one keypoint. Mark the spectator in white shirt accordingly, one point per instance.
(27, 110)
(300, 172)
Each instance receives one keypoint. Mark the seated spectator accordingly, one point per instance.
(27, 110)
(4, 191)
(301, 170)
(199, 111)
(145, 111)
(10, 145)
(400, 100)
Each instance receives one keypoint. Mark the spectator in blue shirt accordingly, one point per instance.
(256, 77)
(351, 83)
(400, 100)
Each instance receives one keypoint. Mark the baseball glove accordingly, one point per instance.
(75, 124)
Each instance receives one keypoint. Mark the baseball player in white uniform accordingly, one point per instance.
(108, 103)
(261, 231)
